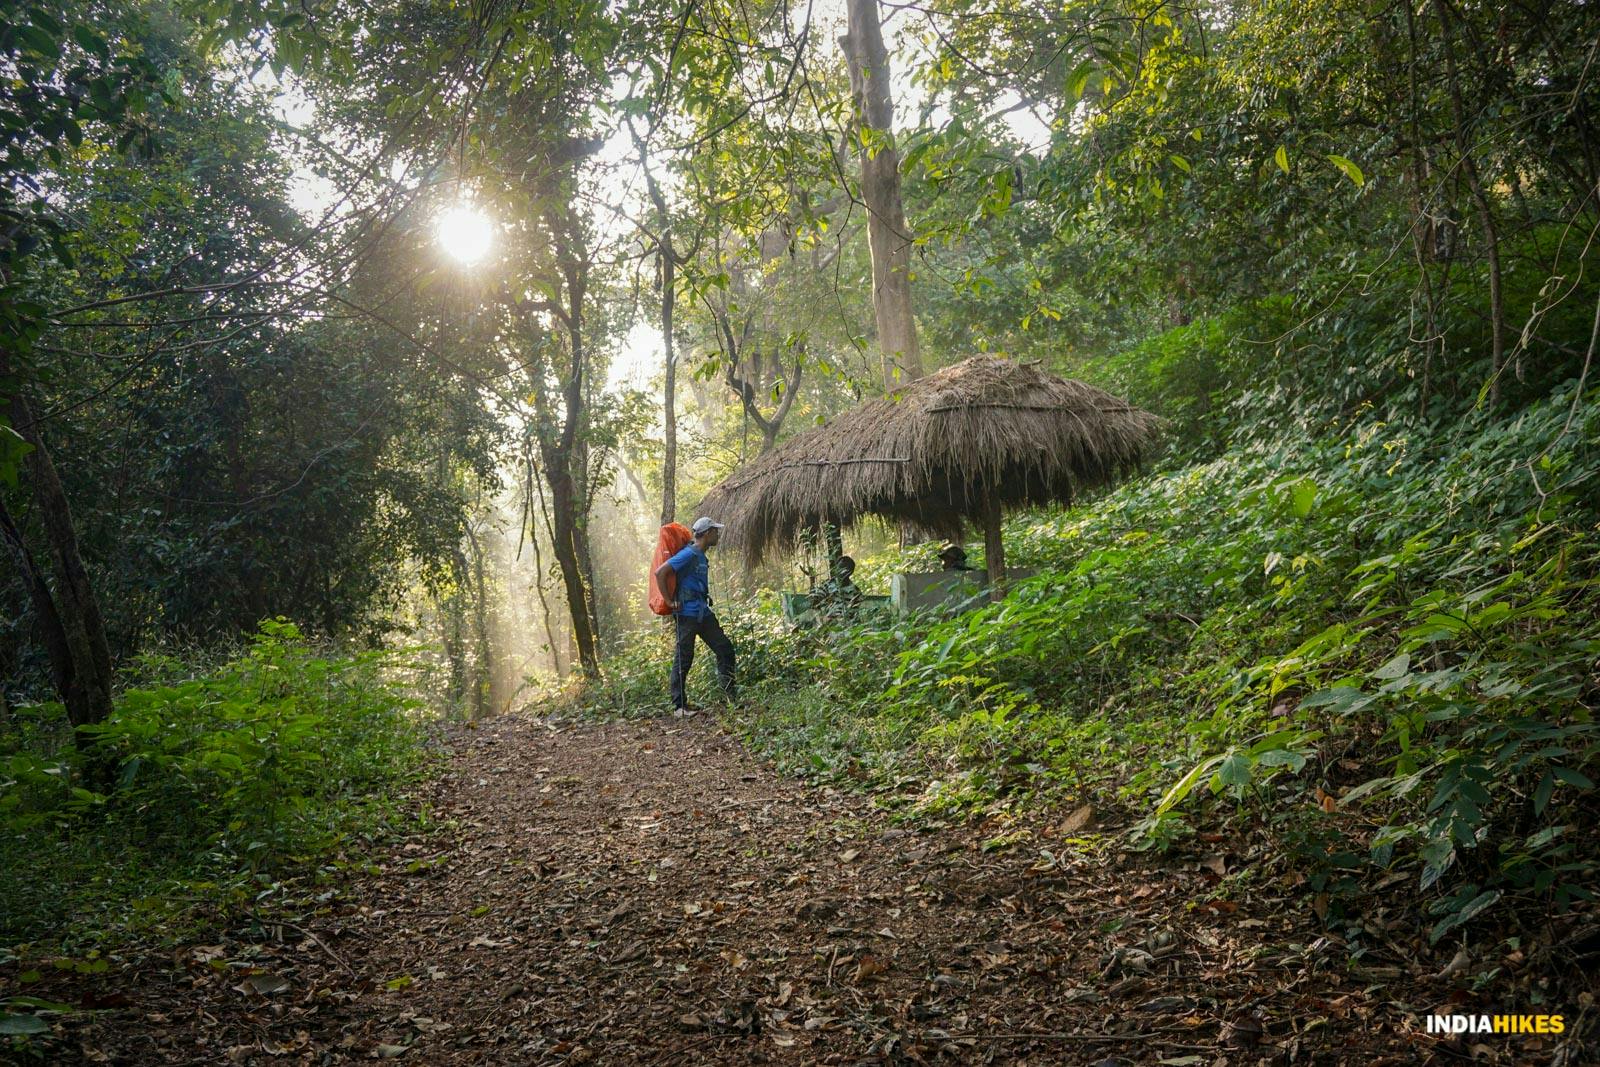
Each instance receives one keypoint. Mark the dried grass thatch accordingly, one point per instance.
(957, 447)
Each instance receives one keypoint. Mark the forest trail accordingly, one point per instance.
(647, 892)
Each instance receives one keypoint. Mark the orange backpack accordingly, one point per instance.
(673, 537)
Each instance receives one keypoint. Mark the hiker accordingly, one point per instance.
(954, 558)
(691, 609)
(838, 595)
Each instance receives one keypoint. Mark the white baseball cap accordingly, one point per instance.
(704, 523)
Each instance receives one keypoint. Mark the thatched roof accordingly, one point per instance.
(928, 455)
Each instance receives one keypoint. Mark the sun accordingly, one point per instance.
(465, 233)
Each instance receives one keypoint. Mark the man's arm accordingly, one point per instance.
(670, 589)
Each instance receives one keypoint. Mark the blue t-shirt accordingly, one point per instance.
(694, 581)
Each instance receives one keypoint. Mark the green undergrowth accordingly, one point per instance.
(1380, 643)
(202, 790)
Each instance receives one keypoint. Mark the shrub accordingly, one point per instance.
(271, 758)
(1380, 641)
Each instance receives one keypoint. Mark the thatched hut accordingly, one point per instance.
(963, 445)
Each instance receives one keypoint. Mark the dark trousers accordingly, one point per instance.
(709, 630)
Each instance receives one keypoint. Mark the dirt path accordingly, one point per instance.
(648, 893)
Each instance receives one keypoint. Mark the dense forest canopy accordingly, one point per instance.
(216, 206)
(406, 323)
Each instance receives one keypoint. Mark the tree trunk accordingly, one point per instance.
(1480, 198)
(69, 617)
(453, 626)
(561, 448)
(669, 409)
(544, 612)
(833, 540)
(994, 549)
(582, 545)
(483, 675)
(538, 565)
(888, 237)
(563, 508)
(1418, 172)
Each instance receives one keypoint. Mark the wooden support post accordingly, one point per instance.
(994, 549)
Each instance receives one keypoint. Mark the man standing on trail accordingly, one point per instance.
(691, 609)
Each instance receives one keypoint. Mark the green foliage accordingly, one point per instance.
(1318, 158)
(210, 780)
(257, 413)
(1380, 641)
(1189, 374)
(272, 464)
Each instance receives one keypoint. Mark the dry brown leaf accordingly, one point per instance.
(870, 967)
(1081, 819)
(264, 984)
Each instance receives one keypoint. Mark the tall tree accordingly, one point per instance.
(668, 260)
(888, 235)
(62, 74)
(561, 419)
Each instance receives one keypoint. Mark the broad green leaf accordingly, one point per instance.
(1302, 497)
(1545, 836)
(1469, 911)
(1343, 699)
(22, 1024)
(13, 449)
(1282, 757)
(1350, 170)
(1185, 785)
(1543, 792)
(1078, 80)
(1572, 777)
(1235, 770)
(1395, 668)
(1281, 158)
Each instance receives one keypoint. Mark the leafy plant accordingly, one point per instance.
(1379, 642)
(273, 757)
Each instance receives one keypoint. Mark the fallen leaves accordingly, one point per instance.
(634, 951)
(1081, 819)
(869, 967)
(1243, 1031)
(264, 984)
(568, 935)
